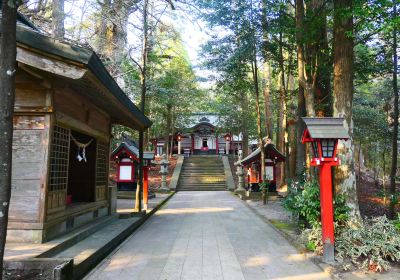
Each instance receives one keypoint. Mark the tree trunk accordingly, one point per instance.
(304, 81)
(7, 96)
(259, 126)
(322, 82)
(167, 128)
(143, 86)
(345, 177)
(171, 151)
(393, 169)
(58, 16)
(267, 100)
(282, 139)
(301, 103)
(244, 125)
(291, 131)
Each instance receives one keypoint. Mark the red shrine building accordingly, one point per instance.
(202, 136)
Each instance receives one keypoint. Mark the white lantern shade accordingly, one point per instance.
(269, 172)
(125, 172)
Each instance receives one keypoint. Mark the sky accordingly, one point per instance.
(194, 32)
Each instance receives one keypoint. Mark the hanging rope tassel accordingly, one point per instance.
(80, 146)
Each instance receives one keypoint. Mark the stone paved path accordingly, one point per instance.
(206, 235)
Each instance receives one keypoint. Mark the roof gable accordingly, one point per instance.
(325, 128)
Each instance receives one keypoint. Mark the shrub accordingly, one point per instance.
(371, 247)
(303, 200)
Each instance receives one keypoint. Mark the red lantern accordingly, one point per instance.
(126, 170)
(179, 137)
(323, 134)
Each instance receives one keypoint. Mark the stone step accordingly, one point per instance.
(202, 173)
(222, 184)
(94, 248)
(188, 172)
(201, 188)
(200, 181)
(198, 175)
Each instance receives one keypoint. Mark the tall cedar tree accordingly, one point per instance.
(393, 170)
(343, 78)
(7, 95)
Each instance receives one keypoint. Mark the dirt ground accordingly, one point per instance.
(370, 197)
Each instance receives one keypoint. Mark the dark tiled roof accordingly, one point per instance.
(29, 35)
(270, 153)
(324, 128)
(131, 147)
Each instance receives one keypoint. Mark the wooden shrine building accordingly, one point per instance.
(253, 163)
(66, 103)
(202, 136)
(126, 157)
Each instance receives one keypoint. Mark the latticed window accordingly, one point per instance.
(101, 167)
(328, 147)
(59, 157)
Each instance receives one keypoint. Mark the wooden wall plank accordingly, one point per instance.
(24, 208)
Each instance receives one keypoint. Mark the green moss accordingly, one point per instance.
(282, 225)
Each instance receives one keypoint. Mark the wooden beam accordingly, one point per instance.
(49, 65)
(33, 109)
(72, 123)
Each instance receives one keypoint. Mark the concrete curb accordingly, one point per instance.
(299, 247)
(87, 265)
(177, 173)
(228, 174)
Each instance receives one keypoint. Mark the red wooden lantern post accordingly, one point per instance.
(323, 134)
(145, 185)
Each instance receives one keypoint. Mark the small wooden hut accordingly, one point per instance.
(253, 163)
(66, 103)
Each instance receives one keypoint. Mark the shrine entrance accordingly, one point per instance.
(82, 168)
(205, 143)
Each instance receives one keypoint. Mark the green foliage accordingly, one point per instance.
(372, 246)
(397, 222)
(304, 200)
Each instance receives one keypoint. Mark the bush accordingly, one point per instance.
(370, 247)
(303, 200)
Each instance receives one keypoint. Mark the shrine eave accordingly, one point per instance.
(81, 68)
(270, 153)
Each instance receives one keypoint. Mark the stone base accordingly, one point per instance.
(329, 253)
(39, 268)
(40, 233)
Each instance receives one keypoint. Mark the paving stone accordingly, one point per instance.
(206, 235)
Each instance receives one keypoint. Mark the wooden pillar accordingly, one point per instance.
(192, 143)
(216, 145)
(145, 187)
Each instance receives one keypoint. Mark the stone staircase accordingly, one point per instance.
(202, 173)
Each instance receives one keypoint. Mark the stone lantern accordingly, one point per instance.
(240, 174)
(164, 171)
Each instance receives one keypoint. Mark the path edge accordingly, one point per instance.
(176, 174)
(230, 183)
(297, 245)
(88, 267)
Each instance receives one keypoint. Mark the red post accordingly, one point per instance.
(216, 145)
(326, 197)
(145, 187)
